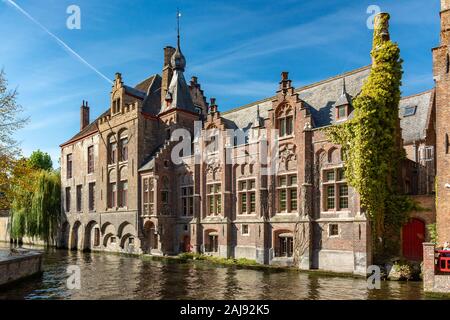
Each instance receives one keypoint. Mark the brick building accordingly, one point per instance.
(123, 191)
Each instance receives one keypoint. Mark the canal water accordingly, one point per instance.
(111, 276)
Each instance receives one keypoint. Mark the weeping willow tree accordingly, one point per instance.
(36, 208)
(371, 141)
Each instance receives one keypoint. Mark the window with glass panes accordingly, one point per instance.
(147, 196)
(187, 200)
(91, 159)
(165, 189)
(285, 121)
(247, 196)
(335, 190)
(214, 198)
(112, 148)
(342, 112)
(287, 193)
(69, 166)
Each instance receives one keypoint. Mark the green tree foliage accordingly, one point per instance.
(36, 209)
(371, 141)
(41, 160)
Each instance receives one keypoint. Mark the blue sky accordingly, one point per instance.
(236, 48)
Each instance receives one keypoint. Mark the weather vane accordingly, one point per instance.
(178, 25)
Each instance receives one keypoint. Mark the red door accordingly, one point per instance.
(413, 237)
(187, 244)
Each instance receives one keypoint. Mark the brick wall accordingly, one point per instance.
(442, 78)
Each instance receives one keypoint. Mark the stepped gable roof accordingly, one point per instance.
(320, 97)
(414, 116)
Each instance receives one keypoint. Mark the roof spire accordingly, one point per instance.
(178, 61)
(344, 86)
(345, 98)
(178, 27)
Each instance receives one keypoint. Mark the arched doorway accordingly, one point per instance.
(76, 236)
(91, 236)
(64, 236)
(413, 236)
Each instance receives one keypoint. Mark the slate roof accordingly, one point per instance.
(414, 127)
(179, 93)
(320, 97)
(323, 96)
(144, 85)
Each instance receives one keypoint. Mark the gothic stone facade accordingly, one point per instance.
(122, 192)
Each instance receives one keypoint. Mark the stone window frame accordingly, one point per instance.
(245, 233)
(123, 194)
(333, 178)
(116, 104)
(214, 198)
(285, 120)
(122, 190)
(148, 201)
(69, 166)
(283, 238)
(91, 197)
(343, 108)
(187, 194)
(246, 189)
(334, 230)
(212, 138)
(79, 198)
(122, 148)
(165, 191)
(112, 149)
(112, 189)
(288, 188)
(90, 160)
(68, 199)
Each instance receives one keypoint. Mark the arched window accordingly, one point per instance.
(123, 145)
(285, 120)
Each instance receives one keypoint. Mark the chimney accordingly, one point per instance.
(445, 22)
(84, 115)
(381, 29)
(213, 106)
(167, 72)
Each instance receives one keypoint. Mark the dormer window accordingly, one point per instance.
(409, 111)
(342, 112)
